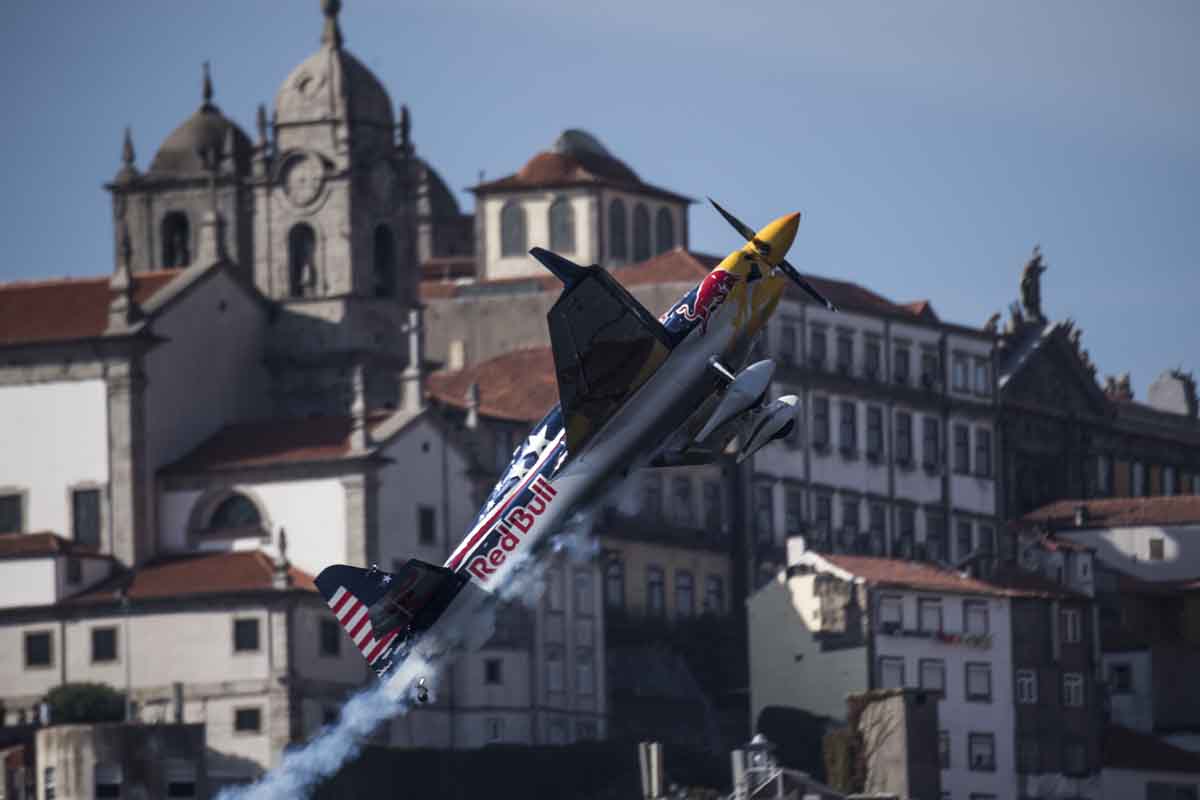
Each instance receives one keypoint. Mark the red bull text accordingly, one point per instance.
(515, 524)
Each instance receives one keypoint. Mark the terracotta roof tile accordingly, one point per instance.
(550, 169)
(674, 266)
(196, 574)
(897, 573)
(1126, 749)
(519, 386)
(66, 308)
(1117, 512)
(45, 543)
(267, 442)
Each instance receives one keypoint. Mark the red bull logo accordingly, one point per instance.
(515, 524)
(713, 290)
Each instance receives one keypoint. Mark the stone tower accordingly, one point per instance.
(165, 206)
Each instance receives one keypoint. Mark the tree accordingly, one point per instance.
(85, 702)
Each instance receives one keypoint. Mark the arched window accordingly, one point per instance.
(614, 583)
(176, 240)
(512, 229)
(641, 232)
(385, 262)
(562, 226)
(618, 244)
(664, 231)
(235, 511)
(302, 268)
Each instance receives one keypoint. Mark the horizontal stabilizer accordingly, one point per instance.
(564, 269)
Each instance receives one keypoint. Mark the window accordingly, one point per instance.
(817, 348)
(664, 231)
(654, 591)
(820, 431)
(104, 645)
(944, 749)
(1074, 758)
(1139, 479)
(302, 266)
(981, 751)
(584, 672)
(935, 536)
(929, 613)
(845, 353)
(426, 524)
(85, 516)
(1103, 475)
(331, 638)
(176, 240)
(385, 262)
(681, 489)
(933, 675)
(108, 780)
(962, 374)
(904, 442)
(983, 452)
(618, 241)
(714, 517)
(850, 522)
(685, 594)
(1072, 633)
(1027, 688)
(931, 453)
(641, 233)
(245, 635)
(554, 591)
(1028, 757)
(512, 229)
(714, 594)
(38, 650)
(235, 511)
(900, 369)
(987, 539)
(891, 612)
(554, 668)
(1156, 549)
(962, 449)
(1073, 689)
(74, 571)
(962, 539)
(877, 525)
(651, 497)
(787, 343)
(12, 507)
(891, 672)
(975, 617)
(583, 591)
(874, 433)
(493, 674)
(614, 583)
(979, 682)
(247, 720)
(902, 545)
(849, 427)
(930, 369)
(1120, 678)
(871, 358)
(764, 512)
(562, 226)
(983, 377)
(793, 511)
(494, 729)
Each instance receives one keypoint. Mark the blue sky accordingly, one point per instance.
(929, 144)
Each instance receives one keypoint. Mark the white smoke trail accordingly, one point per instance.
(302, 769)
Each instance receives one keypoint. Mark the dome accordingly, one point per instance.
(441, 200)
(576, 155)
(574, 141)
(207, 128)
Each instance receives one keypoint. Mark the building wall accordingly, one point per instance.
(28, 582)
(1128, 549)
(537, 231)
(638, 556)
(60, 431)
(788, 665)
(1133, 709)
(1118, 784)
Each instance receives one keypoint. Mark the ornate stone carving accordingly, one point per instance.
(1031, 285)
(303, 179)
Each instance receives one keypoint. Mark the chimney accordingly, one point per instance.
(473, 406)
(412, 380)
(1081, 515)
(360, 437)
(281, 577)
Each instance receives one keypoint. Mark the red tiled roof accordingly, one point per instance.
(198, 574)
(1053, 544)
(518, 386)
(1119, 512)
(1127, 749)
(31, 545)
(897, 573)
(256, 444)
(922, 309)
(676, 265)
(66, 308)
(549, 169)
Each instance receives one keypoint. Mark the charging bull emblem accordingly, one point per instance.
(713, 290)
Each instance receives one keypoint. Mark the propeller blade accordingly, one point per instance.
(747, 233)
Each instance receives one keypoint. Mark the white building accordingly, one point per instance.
(832, 625)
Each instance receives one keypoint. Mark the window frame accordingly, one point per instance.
(250, 712)
(90, 489)
(685, 588)
(21, 496)
(27, 640)
(890, 661)
(940, 665)
(238, 648)
(614, 572)
(1074, 690)
(962, 449)
(986, 668)
(1025, 687)
(656, 586)
(887, 601)
(981, 737)
(493, 671)
(512, 213)
(930, 603)
(560, 222)
(329, 638)
(977, 606)
(848, 427)
(983, 453)
(116, 652)
(1072, 626)
(1114, 685)
(874, 433)
(821, 431)
(903, 436)
(643, 245)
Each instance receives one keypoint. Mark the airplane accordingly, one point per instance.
(633, 390)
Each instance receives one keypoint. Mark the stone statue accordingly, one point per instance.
(1031, 286)
(993, 324)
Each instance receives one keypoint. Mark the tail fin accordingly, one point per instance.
(380, 610)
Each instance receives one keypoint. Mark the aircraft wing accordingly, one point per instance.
(605, 344)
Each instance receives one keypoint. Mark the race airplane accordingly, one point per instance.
(633, 391)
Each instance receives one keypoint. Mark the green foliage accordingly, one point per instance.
(85, 702)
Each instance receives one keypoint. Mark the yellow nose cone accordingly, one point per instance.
(774, 240)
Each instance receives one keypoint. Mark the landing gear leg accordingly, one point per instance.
(422, 691)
